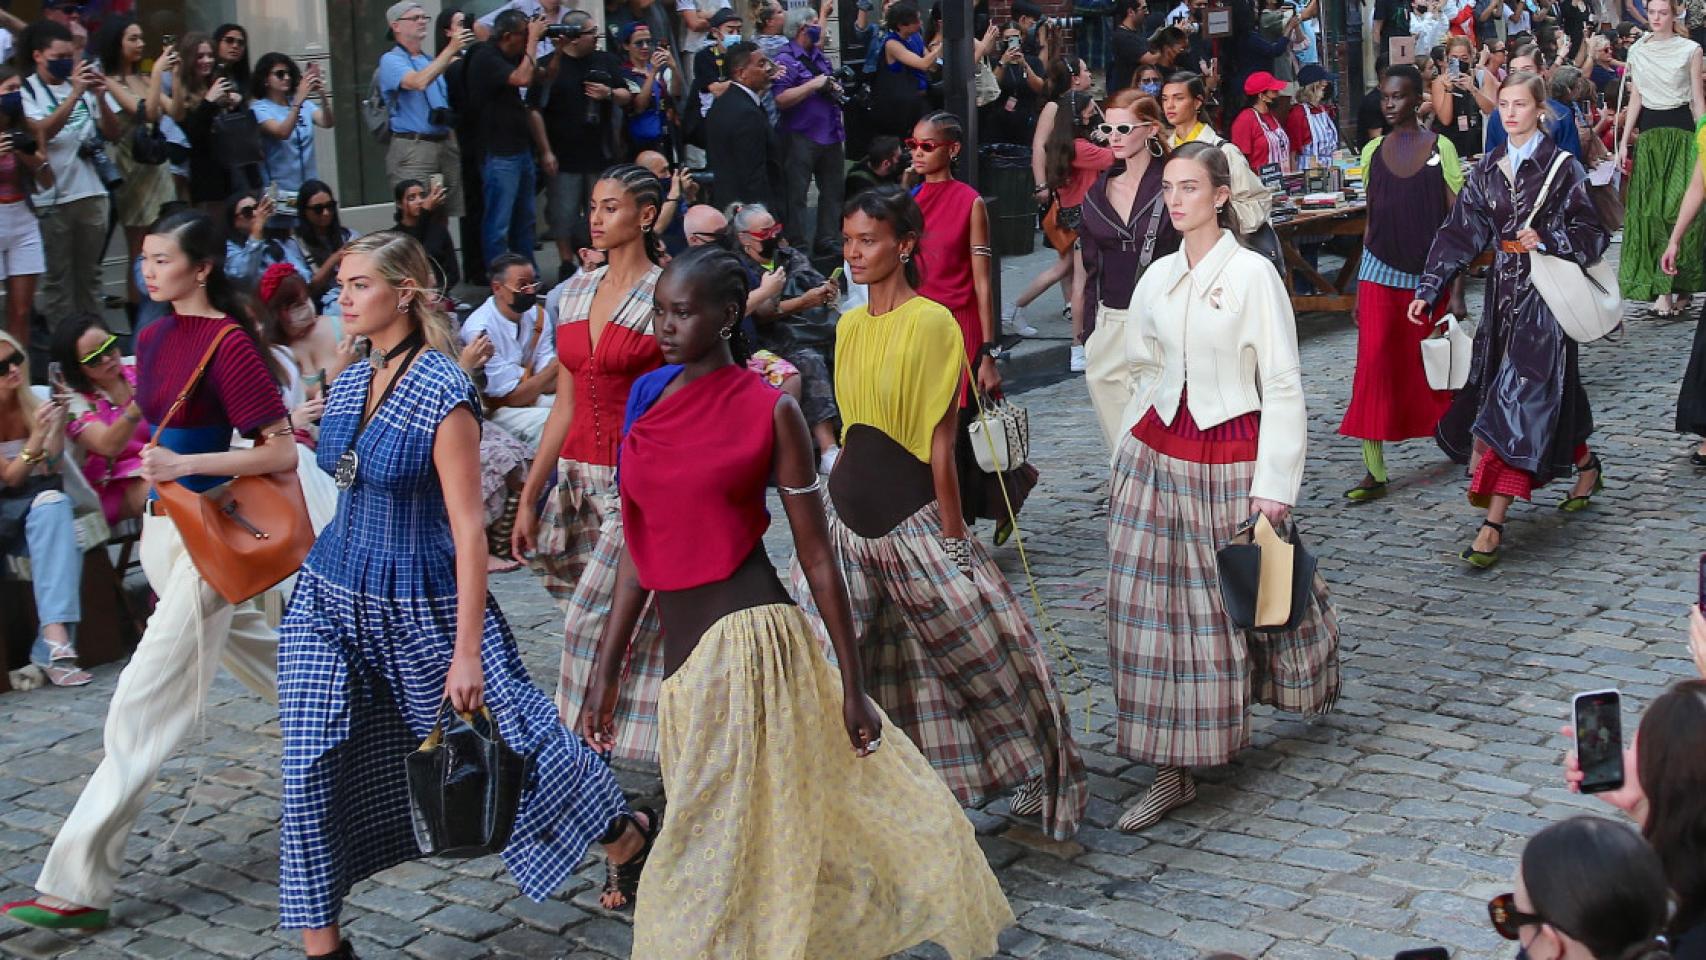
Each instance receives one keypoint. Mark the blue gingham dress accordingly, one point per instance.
(363, 654)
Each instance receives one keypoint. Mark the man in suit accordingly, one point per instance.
(741, 148)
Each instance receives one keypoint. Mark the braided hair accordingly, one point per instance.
(647, 191)
(718, 278)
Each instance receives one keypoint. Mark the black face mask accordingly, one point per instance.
(523, 302)
(767, 248)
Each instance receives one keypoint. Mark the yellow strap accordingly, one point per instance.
(1048, 628)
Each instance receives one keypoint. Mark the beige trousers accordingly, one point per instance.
(1107, 373)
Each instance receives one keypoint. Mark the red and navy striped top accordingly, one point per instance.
(237, 392)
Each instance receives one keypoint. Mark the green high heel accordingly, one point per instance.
(1578, 504)
(1483, 559)
(1368, 489)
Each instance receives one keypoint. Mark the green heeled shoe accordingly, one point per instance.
(34, 913)
(1578, 504)
(1483, 559)
(1369, 489)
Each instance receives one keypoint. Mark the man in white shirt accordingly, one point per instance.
(520, 379)
(61, 99)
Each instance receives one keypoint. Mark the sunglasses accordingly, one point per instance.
(237, 41)
(1506, 918)
(523, 287)
(95, 356)
(642, 43)
(928, 146)
(1123, 129)
(246, 211)
(281, 74)
(11, 363)
(769, 234)
(321, 207)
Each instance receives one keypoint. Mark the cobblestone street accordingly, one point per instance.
(1382, 827)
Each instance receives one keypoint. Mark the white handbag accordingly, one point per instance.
(1000, 437)
(1445, 357)
(1585, 301)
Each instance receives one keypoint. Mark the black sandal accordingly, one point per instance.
(623, 879)
(1482, 559)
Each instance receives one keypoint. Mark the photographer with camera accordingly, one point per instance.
(810, 99)
(496, 73)
(569, 116)
(23, 170)
(418, 102)
(555, 13)
(61, 99)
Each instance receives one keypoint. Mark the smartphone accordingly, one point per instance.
(1599, 739)
(272, 191)
(435, 182)
(1425, 953)
(1452, 67)
(1700, 597)
(168, 40)
(56, 381)
(835, 277)
(1013, 43)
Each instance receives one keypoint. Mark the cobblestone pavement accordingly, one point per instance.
(1382, 827)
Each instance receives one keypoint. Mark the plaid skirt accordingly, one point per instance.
(781, 843)
(956, 665)
(588, 609)
(1184, 676)
(569, 523)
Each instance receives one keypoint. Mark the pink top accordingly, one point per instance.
(1088, 162)
(95, 408)
(944, 254)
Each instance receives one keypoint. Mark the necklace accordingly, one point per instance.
(349, 463)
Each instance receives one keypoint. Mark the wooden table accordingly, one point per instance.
(1338, 294)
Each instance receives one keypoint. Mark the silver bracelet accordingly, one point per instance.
(816, 485)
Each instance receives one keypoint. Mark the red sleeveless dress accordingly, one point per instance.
(944, 254)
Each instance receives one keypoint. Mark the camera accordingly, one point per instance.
(111, 177)
(21, 141)
(595, 108)
(442, 117)
(706, 179)
(567, 31)
(849, 89)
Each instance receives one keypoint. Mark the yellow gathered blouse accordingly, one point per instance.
(900, 371)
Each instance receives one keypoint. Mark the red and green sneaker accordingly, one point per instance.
(34, 913)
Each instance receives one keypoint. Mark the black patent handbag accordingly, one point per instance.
(1267, 593)
(465, 786)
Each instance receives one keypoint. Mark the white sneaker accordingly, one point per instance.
(1077, 363)
(826, 462)
(1013, 323)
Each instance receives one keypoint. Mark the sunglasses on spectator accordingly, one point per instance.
(928, 146)
(642, 42)
(321, 207)
(246, 210)
(768, 234)
(238, 41)
(523, 287)
(281, 74)
(11, 363)
(1507, 919)
(95, 356)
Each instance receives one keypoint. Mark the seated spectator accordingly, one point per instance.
(1587, 889)
(288, 118)
(306, 345)
(1664, 791)
(519, 378)
(104, 421)
(35, 514)
(881, 167)
(503, 471)
(316, 246)
(417, 216)
(704, 224)
(797, 322)
(248, 249)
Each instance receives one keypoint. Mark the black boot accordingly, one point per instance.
(343, 952)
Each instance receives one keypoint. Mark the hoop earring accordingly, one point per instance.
(906, 258)
(1156, 150)
(727, 333)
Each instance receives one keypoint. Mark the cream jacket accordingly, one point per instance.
(1252, 201)
(1225, 330)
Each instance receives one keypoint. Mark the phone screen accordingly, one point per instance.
(1599, 740)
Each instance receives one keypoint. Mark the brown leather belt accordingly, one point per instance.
(1512, 246)
(432, 137)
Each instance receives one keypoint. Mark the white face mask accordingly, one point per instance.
(302, 316)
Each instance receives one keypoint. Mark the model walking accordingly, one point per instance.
(1205, 445)
(1182, 100)
(791, 835)
(391, 618)
(1412, 176)
(1691, 401)
(192, 629)
(604, 343)
(1665, 104)
(1126, 228)
(947, 650)
(1523, 416)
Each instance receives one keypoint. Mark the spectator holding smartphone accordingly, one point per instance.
(287, 115)
(61, 98)
(1664, 792)
(23, 168)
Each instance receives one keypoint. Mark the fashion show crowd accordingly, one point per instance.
(748, 308)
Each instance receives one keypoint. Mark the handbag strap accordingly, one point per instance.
(190, 385)
(1558, 162)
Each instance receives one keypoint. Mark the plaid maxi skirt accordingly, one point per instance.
(1184, 676)
(955, 664)
(569, 522)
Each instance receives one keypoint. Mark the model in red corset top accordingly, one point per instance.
(569, 529)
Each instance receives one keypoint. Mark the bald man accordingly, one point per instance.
(656, 162)
(704, 224)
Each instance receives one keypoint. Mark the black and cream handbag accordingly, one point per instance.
(1000, 436)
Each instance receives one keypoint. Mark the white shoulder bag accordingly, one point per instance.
(1585, 301)
(1445, 357)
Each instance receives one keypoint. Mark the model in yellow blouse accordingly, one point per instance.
(949, 653)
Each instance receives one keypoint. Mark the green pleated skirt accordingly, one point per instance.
(1664, 162)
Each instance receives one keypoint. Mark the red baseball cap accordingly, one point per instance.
(1262, 82)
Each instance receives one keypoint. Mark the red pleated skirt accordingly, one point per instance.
(1390, 396)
